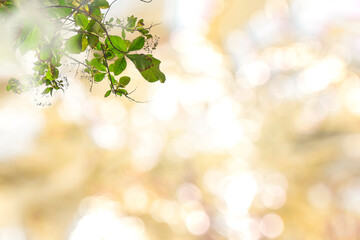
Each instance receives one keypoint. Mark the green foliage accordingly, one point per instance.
(137, 44)
(119, 66)
(153, 73)
(89, 28)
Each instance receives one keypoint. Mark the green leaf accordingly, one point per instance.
(99, 77)
(81, 20)
(122, 91)
(84, 43)
(96, 62)
(93, 40)
(143, 31)
(55, 73)
(59, 12)
(113, 81)
(123, 34)
(119, 54)
(74, 44)
(98, 55)
(131, 21)
(49, 75)
(153, 73)
(101, 4)
(141, 61)
(140, 23)
(55, 60)
(118, 43)
(61, 2)
(119, 66)
(31, 41)
(127, 42)
(107, 93)
(111, 67)
(47, 90)
(96, 28)
(109, 54)
(98, 46)
(137, 44)
(45, 53)
(123, 81)
(95, 12)
(42, 69)
(26, 29)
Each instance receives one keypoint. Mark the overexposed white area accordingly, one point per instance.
(315, 15)
(20, 124)
(101, 220)
(12, 233)
(239, 193)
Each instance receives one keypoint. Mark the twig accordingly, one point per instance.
(80, 31)
(66, 55)
(126, 95)
(109, 9)
(153, 25)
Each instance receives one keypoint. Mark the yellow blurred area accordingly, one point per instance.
(254, 135)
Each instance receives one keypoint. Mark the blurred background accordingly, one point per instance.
(254, 135)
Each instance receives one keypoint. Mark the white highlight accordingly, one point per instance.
(240, 192)
(197, 222)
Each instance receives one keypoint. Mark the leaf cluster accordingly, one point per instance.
(84, 21)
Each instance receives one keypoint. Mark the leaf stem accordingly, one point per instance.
(107, 68)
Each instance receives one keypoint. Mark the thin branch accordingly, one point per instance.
(126, 95)
(136, 28)
(109, 9)
(153, 25)
(80, 31)
(133, 91)
(66, 55)
(130, 98)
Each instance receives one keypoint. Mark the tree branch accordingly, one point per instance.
(66, 55)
